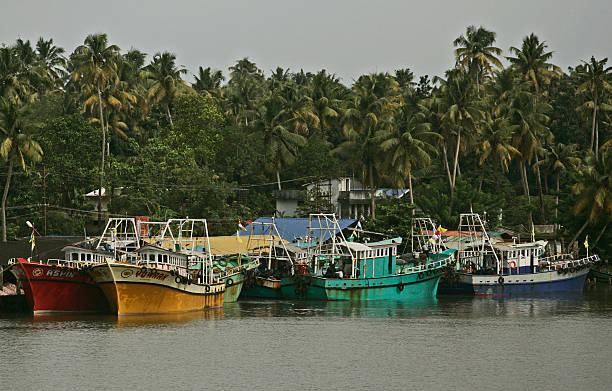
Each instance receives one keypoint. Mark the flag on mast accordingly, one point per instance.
(32, 240)
(586, 242)
(241, 226)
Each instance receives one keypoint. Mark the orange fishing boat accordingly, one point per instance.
(163, 282)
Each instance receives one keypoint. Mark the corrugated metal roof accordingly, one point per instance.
(224, 245)
(291, 229)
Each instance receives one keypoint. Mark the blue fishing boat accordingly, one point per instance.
(338, 269)
(487, 268)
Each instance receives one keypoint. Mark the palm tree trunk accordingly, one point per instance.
(102, 163)
(557, 201)
(278, 180)
(593, 123)
(4, 196)
(601, 233)
(456, 156)
(454, 178)
(597, 140)
(372, 193)
(523, 170)
(482, 175)
(578, 233)
(169, 115)
(446, 165)
(410, 186)
(541, 194)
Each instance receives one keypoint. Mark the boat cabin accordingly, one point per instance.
(520, 258)
(74, 253)
(371, 260)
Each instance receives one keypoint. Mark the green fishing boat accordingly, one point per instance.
(234, 271)
(346, 270)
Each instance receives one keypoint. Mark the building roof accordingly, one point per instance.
(94, 193)
(388, 192)
(290, 229)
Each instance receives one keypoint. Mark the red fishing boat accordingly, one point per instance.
(64, 285)
(58, 286)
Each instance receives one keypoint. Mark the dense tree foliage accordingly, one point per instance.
(526, 143)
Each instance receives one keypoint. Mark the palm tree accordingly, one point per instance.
(496, 145)
(167, 81)
(476, 54)
(95, 62)
(51, 60)
(281, 143)
(594, 189)
(458, 109)
(371, 110)
(13, 85)
(245, 92)
(560, 158)
(531, 62)
(530, 116)
(595, 86)
(16, 147)
(408, 145)
(209, 82)
(327, 99)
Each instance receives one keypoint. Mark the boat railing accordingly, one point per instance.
(234, 270)
(182, 270)
(565, 261)
(57, 262)
(428, 266)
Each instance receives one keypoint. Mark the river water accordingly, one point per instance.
(456, 343)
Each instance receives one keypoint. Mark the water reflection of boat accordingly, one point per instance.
(160, 319)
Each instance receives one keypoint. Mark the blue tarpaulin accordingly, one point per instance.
(291, 228)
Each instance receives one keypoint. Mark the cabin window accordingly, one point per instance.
(75, 256)
(89, 257)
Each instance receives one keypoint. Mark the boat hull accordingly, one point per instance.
(53, 288)
(403, 287)
(602, 275)
(133, 290)
(233, 287)
(521, 284)
(264, 288)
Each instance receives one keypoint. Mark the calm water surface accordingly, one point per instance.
(562, 343)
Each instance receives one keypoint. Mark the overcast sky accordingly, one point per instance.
(346, 37)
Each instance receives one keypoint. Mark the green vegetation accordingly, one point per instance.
(525, 143)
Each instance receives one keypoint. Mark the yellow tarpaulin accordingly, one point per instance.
(225, 245)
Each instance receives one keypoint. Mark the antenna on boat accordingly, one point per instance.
(423, 230)
(474, 241)
(329, 240)
(265, 242)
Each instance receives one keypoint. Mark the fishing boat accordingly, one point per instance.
(57, 286)
(164, 281)
(234, 271)
(349, 270)
(601, 272)
(487, 268)
(62, 285)
(275, 262)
